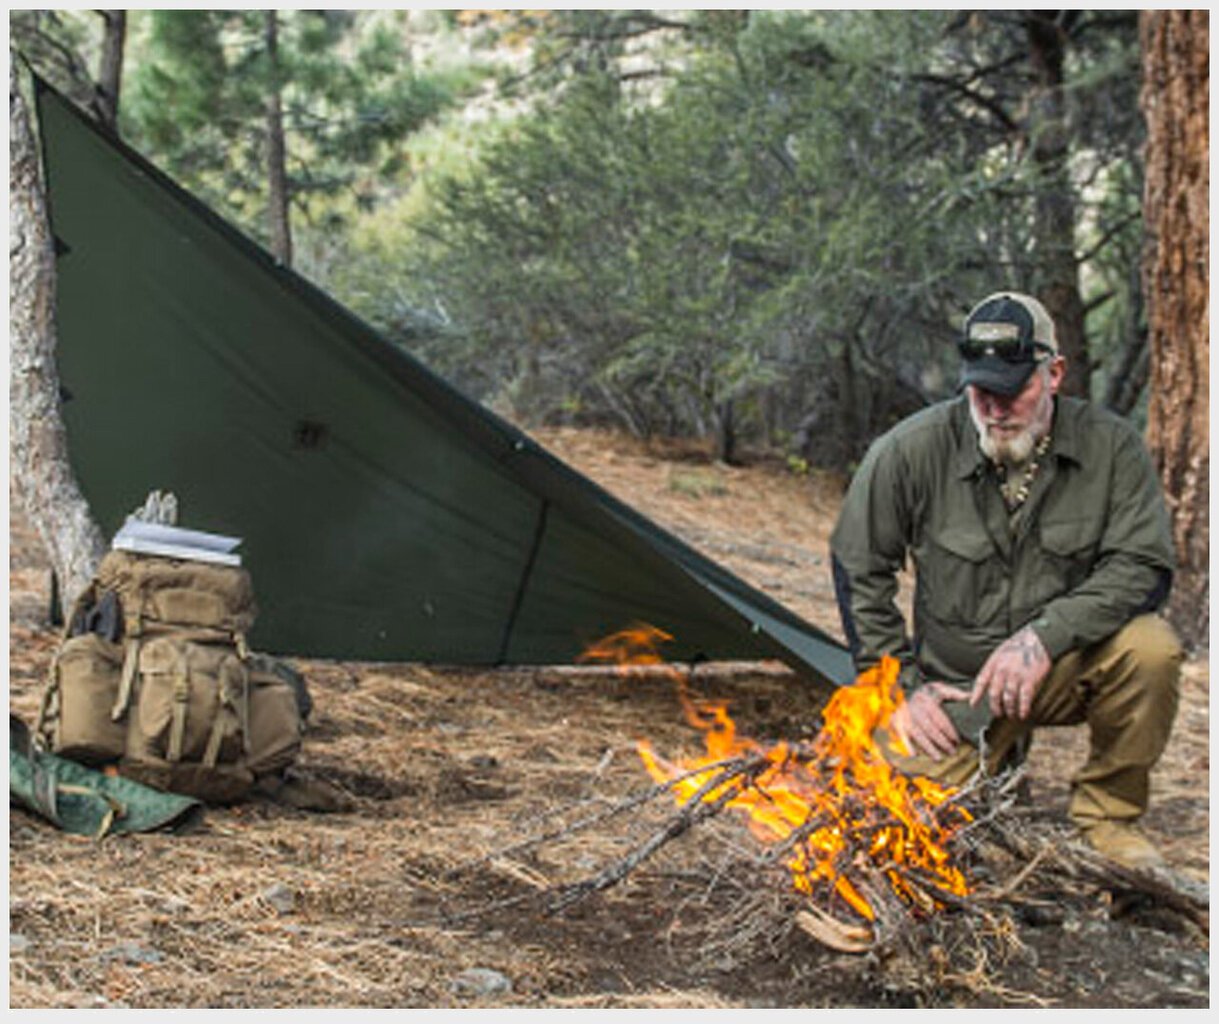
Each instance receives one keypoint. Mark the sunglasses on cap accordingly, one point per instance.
(1010, 342)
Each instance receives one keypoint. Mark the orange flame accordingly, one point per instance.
(833, 800)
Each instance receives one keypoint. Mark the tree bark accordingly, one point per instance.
(277, 173)
(1174, 98)
(110, 69)
(1054, 213)
(38, 442)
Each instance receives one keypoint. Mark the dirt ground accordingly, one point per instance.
(448, 769)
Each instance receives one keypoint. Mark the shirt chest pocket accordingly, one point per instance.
(961, 577)
(1068, 551)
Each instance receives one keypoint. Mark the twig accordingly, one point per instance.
(731, 766)
(1023, 873)
(695, 809)
(733, 773)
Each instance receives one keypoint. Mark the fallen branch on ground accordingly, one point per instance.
(1053, 860)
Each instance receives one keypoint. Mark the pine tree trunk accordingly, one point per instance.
(726, 436)
(1132, 367)
(38, 445)
(110, 68)
(1057, 268)
(277, 172)
(1175, 94)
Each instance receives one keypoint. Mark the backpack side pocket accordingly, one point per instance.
(275, 727)
(85, 679)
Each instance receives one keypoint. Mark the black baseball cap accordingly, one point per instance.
(1006, 335)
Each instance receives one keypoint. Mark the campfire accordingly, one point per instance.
(837, 845)
(852, 831)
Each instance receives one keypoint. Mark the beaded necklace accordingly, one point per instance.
(1016, 492)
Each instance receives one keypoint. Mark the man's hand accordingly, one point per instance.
(1012, 674)
(921, 724)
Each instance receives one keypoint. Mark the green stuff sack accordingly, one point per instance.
(87, 802)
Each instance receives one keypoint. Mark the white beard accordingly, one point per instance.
(1012, 451)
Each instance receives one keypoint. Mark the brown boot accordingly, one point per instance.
(1123, 842)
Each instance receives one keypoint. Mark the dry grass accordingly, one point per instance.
(270, 907)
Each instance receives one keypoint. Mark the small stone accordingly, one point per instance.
(480, 981)
(174, 905)
(132, 953)
(281, 898)
(18, 943)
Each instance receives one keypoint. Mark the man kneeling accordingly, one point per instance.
(1041, 552)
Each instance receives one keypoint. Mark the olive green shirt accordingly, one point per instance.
(1089, 550)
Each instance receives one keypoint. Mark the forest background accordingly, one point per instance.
(761, 227)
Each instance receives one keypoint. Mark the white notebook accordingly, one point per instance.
(175, 542)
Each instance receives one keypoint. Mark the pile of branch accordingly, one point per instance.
(1020, 862)
(1044, 860)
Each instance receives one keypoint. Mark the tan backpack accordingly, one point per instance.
(154, 676)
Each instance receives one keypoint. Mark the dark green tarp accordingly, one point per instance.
(385, 516)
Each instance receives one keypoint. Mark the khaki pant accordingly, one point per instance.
(1125, 688)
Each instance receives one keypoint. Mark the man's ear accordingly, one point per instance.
(1058, 370)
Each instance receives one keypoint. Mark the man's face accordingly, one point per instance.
(1009, 427)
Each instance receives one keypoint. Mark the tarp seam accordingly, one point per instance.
(539, 534)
